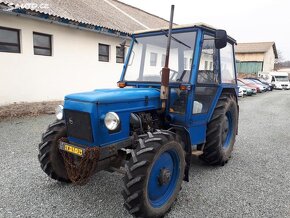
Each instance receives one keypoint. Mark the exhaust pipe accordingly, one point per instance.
(165, 70)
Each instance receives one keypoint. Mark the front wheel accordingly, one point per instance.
(50, 158)
(154, 175)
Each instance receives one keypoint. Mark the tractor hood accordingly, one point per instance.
(105, 96)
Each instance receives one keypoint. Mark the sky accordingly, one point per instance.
(244, 20)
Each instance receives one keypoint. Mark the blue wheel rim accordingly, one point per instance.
(227, 130)
(159, 194)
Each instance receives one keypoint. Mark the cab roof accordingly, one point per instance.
(186, 26)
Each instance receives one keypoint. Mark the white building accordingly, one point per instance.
(255, 57)
(51, 48)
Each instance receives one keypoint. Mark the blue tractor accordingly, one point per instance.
(177, 97)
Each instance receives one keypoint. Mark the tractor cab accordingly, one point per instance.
(201, 66)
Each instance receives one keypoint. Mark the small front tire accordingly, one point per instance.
(154, 175)
(50, 158)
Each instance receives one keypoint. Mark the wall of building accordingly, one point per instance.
(269, 60)
(250, 57)
(73, 66)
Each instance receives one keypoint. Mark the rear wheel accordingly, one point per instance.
(221, 132)
(50, 158)
(154, 175)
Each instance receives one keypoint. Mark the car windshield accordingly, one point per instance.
(148, 57)
(250, 81)
(257, 81)
(240, 83)
(263, 81)
(282, 78)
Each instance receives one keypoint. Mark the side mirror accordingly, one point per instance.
(221, 39)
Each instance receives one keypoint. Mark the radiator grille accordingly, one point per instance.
(78, 125)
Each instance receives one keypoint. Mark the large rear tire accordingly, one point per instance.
(50, 158)
(221, 132)
(154, 175)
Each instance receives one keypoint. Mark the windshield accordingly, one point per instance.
(240, 83)
(250, 81)
(282, 78)
(148, 58)
(257, 81)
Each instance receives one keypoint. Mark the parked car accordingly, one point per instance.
(250, 83)
(259, 82)
(250, 90)
(271, 86)
(242, 91)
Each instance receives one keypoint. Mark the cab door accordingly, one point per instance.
(207, 82)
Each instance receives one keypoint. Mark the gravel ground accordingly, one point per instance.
(255, 183)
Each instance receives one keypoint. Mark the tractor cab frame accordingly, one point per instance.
(199, 73)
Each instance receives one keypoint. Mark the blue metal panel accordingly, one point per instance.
(198, 133)
(101, 96)
(121, 101)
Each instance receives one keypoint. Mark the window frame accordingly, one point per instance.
(12, 44)
(234, 65)
(101, 55)
(40, 47)
(218, 81)
(117, 57)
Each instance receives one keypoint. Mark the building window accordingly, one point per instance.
(120, 54)
(42, 44)
(104, 52)
(9, 40)
(153, 59)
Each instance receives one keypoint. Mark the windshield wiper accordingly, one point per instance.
(175, 39)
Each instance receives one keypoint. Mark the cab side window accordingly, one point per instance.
(207, 78)
(208, 65)
(227, 64)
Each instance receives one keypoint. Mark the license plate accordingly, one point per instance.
(72, 149)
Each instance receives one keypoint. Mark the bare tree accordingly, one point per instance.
(279, 61)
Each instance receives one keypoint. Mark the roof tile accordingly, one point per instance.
(111, 14)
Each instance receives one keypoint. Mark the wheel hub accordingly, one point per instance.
(164, 176)
(227, 128)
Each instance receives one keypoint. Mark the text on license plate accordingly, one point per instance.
(73, 150)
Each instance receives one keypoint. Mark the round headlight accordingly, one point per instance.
(112, 120)
(59, 112)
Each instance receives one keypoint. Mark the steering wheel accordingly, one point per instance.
(174, 72)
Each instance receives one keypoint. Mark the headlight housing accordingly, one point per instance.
(112, 121)
(59, 112)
